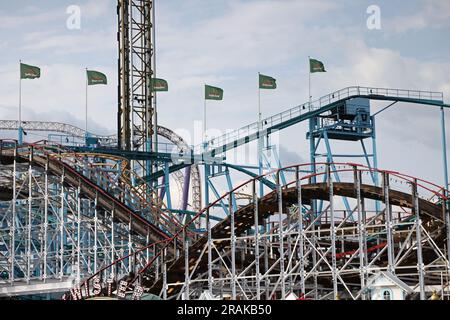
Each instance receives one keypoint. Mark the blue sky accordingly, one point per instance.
(226, 43)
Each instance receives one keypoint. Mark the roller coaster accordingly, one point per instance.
(74, 216)
(143, 215)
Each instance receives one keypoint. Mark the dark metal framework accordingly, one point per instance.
(276, 246)
(136, 50)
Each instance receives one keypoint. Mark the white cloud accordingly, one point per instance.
(250, 34)
(8, 21)
(433, 14)
(97, 8)
(73, 42)
(35, 16)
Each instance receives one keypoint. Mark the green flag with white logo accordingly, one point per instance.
(316, 66)
(213, 93)
(95, 77)
(266, 82)
(159, 85)
(29, 72)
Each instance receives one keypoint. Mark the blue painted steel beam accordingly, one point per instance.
(372, 173)
(150, 156)
(268, 183)
(444, 149)
(230, 188)
(216, 193)
(375, 161)
(186, 183)
(336, 174)
(306, 116)
(277, 159)
(313, 114)
(193, 213)
(167, 186)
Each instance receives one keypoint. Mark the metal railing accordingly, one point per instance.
(253, 128)
(314, 106)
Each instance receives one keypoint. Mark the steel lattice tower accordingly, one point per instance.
(136, 116)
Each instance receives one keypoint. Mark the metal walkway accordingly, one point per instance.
(306, 111)
(219, 145)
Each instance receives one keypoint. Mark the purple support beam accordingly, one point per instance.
(162, 193)
(187, 179)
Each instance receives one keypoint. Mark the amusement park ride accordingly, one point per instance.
(83, 215)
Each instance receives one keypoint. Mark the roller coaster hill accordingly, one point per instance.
(83, 215)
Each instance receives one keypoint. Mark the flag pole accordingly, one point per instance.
(20, 133)
(309, 92)
(259, 146)
(204, 122)
(86, 109)
(259, 102)
(312, 140)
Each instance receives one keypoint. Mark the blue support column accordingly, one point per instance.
(444, 160)
(266, 164)
(260, 165)
(167, 186)
(230, 188)
(20, 136)
(149, 166)
(278, 161)
(336, 174)
(370, 165)
(206, 185)
(320, 206)
(375, 161)
(312, 148)
(444, 149)
(222, 203)
(312, 157)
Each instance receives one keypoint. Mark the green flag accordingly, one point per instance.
(95, 77)
(266, 82)
(29, 72)
(159, 85)
(316, 66)
(213, 93)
